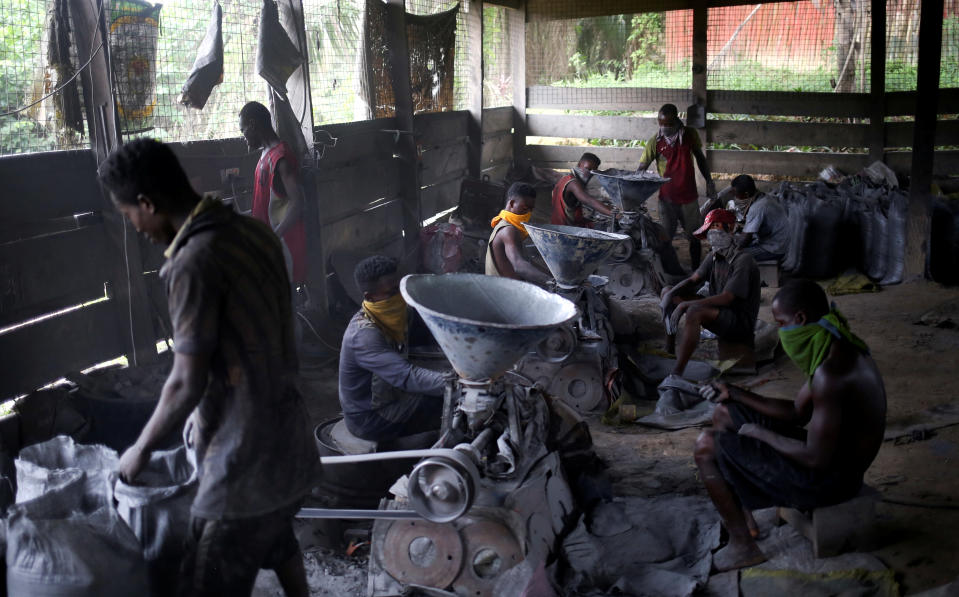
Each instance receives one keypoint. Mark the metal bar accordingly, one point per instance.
(381, 456)
(357, 514)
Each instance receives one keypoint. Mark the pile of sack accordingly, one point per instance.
(78, 531)
(860, 223)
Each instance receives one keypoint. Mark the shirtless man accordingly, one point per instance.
(806, 453)
(504, 253)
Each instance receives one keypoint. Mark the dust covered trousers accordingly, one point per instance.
(382, 394)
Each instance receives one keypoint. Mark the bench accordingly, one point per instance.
(849, 525)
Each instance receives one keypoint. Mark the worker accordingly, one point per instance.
(765, 232)
(731, 304)
(804, 453)
(277, 195)
(382, 394)
(504, 251)
(234, 368)
(570, 194)
(673, 148)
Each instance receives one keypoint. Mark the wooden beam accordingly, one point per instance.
(903, 103)
(44, 186)
(765, 133)
(699, 55)
(497, 119)
(89, 29)
(591, 127)
(945, 163)
(784, 163)
(405, 145)
(902, 134)
(788, 103)
(517, 51)
(923, 148)
(638, 99)
(436, 129)
(877, 81)
(37, 354)
(474, 29)
(442, 163)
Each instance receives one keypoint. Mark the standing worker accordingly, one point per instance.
(234, 369)
(673, 148)
(277, 196)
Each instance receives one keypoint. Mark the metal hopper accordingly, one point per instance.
(573, 253)
(484, 324)
(628, 190)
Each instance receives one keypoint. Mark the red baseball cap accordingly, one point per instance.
(720, 216)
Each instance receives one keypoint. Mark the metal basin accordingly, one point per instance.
(484, 324)
(628, 190)
(573, 253)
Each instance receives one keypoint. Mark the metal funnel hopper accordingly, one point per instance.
(484, 324)
(628, 190)
(573, 253)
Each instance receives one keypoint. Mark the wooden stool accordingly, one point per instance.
(769, 272)
(834, 529)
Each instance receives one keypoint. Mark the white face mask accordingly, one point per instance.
(719, 239)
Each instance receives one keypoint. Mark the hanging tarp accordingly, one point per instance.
(67, 101)
(276, 55)
(379, 84)
(207, 70)
(134, 31)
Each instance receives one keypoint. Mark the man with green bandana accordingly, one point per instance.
(805, 453)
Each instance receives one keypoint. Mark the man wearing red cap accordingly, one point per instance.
(731, 302)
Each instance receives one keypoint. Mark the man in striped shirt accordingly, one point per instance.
(234, 369)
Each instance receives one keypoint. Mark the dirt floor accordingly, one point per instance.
(919, 541)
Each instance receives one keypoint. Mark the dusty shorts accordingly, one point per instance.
(761, 477)
(733, 325)
(687, 214)
(223, 557)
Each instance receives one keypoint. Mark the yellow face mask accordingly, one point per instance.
(389, 315)
(514, 219)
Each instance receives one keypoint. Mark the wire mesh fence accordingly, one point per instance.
(40, 96)
(790, 46)
(334, 33)
(949, 60)
(180, 29)
(497, 71)
(651, 49)
(461, 49)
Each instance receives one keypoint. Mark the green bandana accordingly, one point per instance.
(807, 345)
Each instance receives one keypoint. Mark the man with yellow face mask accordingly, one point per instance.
(382, 394)
(804, 453)
(504, 252)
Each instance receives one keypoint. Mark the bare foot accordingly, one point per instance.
(735, 556)
(751, 523)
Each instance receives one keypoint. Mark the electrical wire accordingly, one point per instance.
(59, 88)
(317, 334)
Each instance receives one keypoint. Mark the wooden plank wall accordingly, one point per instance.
(497, 154)
(55, 253)
(761, 134)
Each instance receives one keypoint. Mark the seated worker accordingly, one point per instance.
(732, 304)
(570, 194)
(804, 453)
(383, 395)
(674, 148)
(504, 252)
(765, 234)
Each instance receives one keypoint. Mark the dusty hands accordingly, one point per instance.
(716, 392)
(678, 314)
(131, 463)
(751, 430)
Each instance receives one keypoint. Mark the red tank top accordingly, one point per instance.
(295, 237)
(681, 189)
(563, 214)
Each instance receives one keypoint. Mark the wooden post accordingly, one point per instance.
(877, 83)
(924, 138)
(474, 28)
(700, 74)
(128, 289)
(405, 144)
(517, 50)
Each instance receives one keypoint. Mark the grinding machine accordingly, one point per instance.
(642, 265)
(576, 362)
(492, 493)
